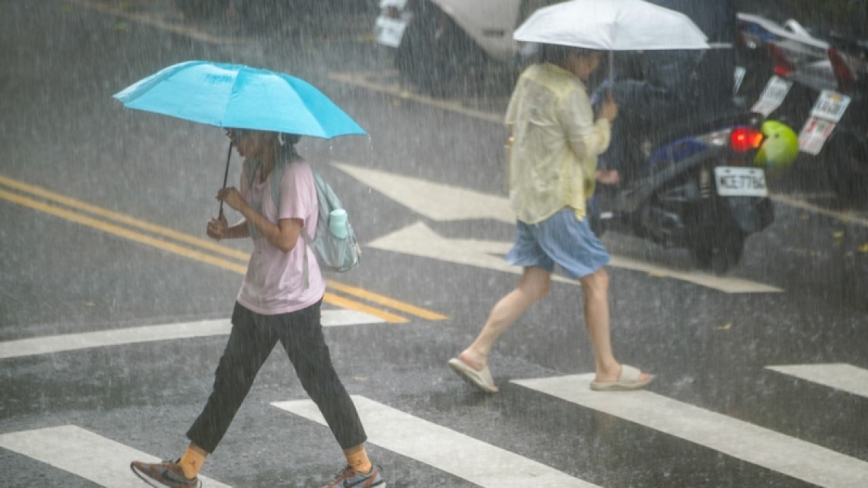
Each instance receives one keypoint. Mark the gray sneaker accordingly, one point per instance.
(350, 478)
(166, 474)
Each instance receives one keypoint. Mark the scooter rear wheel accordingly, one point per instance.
(719, 249)
(846, 167)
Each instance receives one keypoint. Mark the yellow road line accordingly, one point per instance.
(191, 253)
(122, 232)
(179, 250)
(124, 219)
(384, 300)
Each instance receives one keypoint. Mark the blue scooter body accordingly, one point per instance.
(674, 199)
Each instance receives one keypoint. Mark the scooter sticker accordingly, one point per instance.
(814, 135)
(830, 106)
(773, 96)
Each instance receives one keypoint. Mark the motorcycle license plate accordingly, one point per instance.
(740, 182)
(830, 106)
(773, 96)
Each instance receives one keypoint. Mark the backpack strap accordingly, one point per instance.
(307, 238)
(276, 176)
(304, 274)
(288, 156)
(252, 166)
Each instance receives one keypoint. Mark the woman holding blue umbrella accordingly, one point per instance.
(283, 287)
(274, 304)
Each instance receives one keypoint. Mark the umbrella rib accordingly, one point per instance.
(232, 92)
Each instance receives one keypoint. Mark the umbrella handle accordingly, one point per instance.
(226, 175)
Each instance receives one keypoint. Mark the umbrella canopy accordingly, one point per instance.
(238, 96)
(611, 25)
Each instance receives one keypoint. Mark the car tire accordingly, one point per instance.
(436, 55)
(717, 242)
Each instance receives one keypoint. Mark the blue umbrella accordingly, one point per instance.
(239, 97)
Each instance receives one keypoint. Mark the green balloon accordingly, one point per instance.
(780, 146)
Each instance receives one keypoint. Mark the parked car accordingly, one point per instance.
(441, 44)
(444, 45)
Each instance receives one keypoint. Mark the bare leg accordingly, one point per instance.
(533, 286)
(596, 290)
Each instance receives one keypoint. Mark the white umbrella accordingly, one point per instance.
(612, 25)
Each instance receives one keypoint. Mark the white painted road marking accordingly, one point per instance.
(726, 284)
(343, 317)
(840, 376)
(443, 448)
(84, 454)
(419, 240)
(115, 337)
(433, 200)
(736, 438)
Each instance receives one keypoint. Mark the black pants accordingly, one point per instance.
(252, 339)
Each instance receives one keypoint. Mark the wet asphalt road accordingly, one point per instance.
(61, 273)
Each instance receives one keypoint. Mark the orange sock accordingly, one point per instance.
(357, 459)
(192, 460)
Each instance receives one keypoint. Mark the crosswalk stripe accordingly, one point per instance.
(841, 376)
(726, 284)
(736, 438)
(443, 448)
(115, 337)
(84, 454)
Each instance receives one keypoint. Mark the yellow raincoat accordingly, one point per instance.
(553, 161)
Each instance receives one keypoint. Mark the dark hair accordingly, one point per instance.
(291, 139)
(558, 55)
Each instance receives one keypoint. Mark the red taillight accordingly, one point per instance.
(842, 70)
(744, 139)
(782, 65)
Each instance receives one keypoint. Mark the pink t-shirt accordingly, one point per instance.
(273, 283)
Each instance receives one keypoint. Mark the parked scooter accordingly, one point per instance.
(825, 98)
(702, 190)
(846, 154)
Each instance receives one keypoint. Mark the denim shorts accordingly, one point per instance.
(560, 239)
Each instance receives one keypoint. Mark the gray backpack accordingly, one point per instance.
(333, 252)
